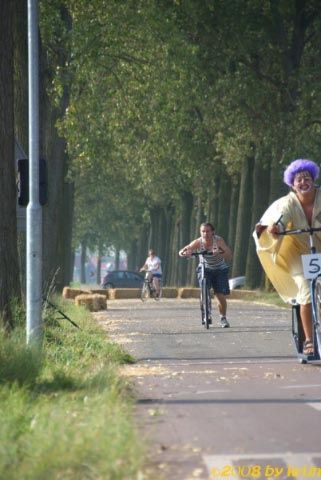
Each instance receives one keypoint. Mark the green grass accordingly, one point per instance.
(66, 413)
(261, 296)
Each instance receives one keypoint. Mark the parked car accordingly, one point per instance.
(123, 279)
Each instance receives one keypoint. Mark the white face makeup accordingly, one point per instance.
(303, 183)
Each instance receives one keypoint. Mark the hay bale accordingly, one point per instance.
(188, 292)
(100, 291)
(122, 293)
(240, 294)
(169, 292)
(72, 293)
(92, 302)
(111, 293)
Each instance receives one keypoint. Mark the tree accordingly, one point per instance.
(9, 270)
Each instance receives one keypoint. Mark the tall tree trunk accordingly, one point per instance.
(185, 231)
(277, 187)
(221, 224)
(117, 258)
(132, 255)
(261, 187)
(9, 269)
(98, 269)
(57, 214)
(20, 36)
(143, 245)
(243, 227)
(83, 259)
(155, 229)
(175, 262)
(66, 240)
(215, 200)
(165, 252)
(232, 221)
(199, 217)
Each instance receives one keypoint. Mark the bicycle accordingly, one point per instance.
(205, 291)
(149, 289)
(312, 272)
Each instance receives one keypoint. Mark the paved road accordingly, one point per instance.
(224, 403)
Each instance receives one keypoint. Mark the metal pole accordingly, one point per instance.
(34, 211)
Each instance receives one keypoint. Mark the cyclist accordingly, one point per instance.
(153, 267)
(216, 265)
(281, 256)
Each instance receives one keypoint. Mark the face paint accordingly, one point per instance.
(303, 183)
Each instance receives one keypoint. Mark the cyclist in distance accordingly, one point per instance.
(153, 267)
(216, 265)
(281, 255)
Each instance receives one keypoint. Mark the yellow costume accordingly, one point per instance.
(281, 257)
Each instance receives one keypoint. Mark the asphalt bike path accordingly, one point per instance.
(219, 403)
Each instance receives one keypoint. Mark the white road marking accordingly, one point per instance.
(302, 386)
(315, 405)
(203, 392)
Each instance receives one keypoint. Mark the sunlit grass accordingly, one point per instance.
(262, 296)
(66, 413)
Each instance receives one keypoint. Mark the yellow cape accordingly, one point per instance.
(275, 254)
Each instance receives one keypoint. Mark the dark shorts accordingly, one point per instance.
(157, 275)
(217, 279)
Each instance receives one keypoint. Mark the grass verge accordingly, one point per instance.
(261, 296)
(66, 413)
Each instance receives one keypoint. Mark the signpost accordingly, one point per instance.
(34, 210)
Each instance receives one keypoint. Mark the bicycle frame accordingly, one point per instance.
(148, 288)
(205, 295)
(312, 272)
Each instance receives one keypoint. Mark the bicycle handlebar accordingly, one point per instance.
(198, 254)
(296, 231)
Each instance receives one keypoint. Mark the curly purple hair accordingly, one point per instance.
(297, 166)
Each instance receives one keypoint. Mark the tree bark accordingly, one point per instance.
(243, 226)
(221, 224)
(233, 212)
(83, 258)
(9, 269)
(261, 186)
(185, 231)
(20, 36)
(57, 214)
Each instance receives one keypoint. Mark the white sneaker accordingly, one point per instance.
(224, 323)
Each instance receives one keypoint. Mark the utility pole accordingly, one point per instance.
(34, 210)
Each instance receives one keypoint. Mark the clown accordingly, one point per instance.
(281, 256)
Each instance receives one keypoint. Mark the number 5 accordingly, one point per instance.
(314, 265)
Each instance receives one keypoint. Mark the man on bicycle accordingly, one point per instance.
(281, 256)
(153, 267)
(216, 265)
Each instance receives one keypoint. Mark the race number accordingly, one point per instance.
(311, 265)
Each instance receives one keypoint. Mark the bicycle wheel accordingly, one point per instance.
(144, 295)
(205, 303)
(317, 312)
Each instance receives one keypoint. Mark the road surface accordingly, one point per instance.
(219, 403)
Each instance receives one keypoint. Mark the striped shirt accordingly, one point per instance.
(215, 261)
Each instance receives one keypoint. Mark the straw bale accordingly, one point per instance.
(71, 293)
(169, 292)
(100, 291)
(121, 293)
(92, 302)
(188, 292)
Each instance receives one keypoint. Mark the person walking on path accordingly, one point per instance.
(216, 265)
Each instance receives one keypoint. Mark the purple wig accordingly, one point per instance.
(297, 166)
